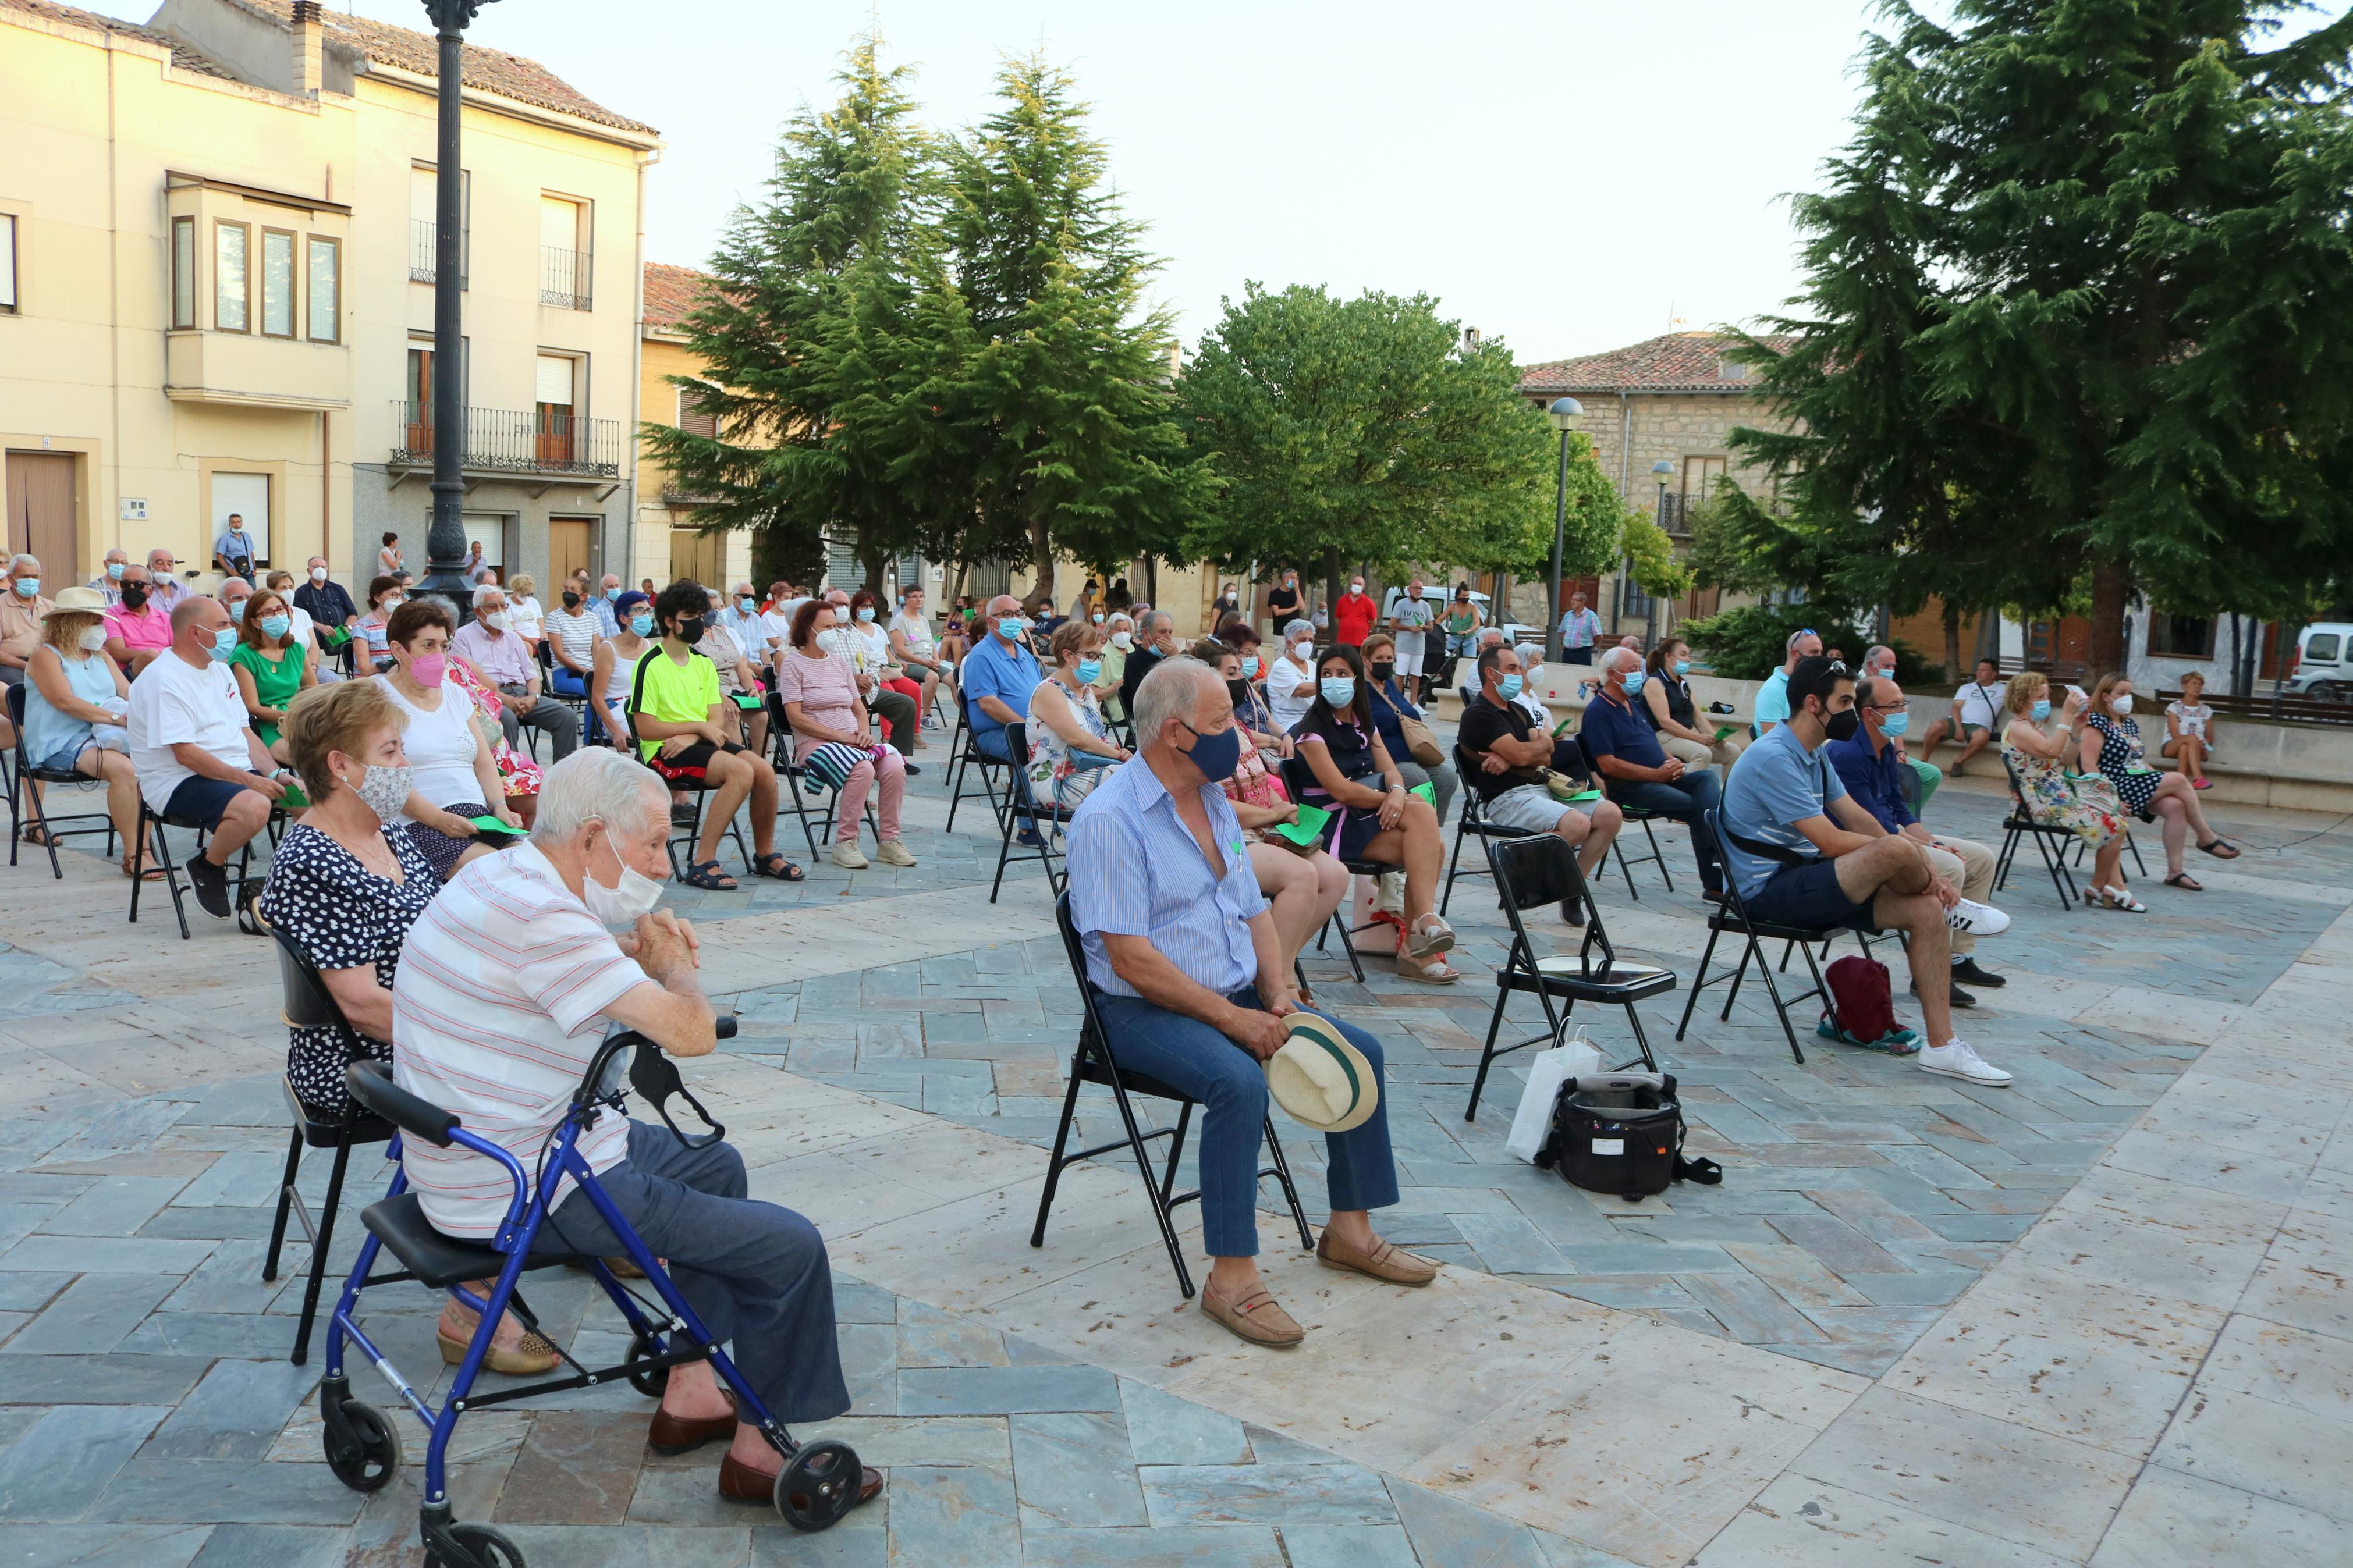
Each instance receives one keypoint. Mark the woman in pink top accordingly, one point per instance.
(821, 699)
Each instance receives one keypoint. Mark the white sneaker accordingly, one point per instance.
(1956, 1058)
(1978, 919)
(894, 853)
(846, 856)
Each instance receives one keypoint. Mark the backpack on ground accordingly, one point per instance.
(1862, 1009)
(1621, 1133)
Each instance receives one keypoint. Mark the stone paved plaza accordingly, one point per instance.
(2099, 1317)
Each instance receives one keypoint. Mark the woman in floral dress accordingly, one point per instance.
(2085, 806)
(516, 770)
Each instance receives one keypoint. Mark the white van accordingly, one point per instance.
(2323, 668)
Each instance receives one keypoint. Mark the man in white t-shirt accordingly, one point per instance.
(198, 760)
(507, 985)
(1977, 715)
(1410, 619)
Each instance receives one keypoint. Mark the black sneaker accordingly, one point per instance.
(1967, 969)
(1959, 997)
(911, 769)
(211, 885)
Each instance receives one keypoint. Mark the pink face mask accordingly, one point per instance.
(427, 668)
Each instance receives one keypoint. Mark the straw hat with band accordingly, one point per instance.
(76, 601)
(1321, 1080)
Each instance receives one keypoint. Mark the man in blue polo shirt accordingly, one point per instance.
(998, 677)
(1871, 763)
(1640, 774)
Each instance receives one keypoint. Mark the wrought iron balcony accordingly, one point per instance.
(424, 257)
(564, 277)
(516, 441)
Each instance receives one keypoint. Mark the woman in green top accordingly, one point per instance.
(271, 667)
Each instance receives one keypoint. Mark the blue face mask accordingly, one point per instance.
(1216, 755)
(1338, 689)
(277, 626)
(224, 645)
(1632, 681)
(28, 586)
(1683, 666)
(642, 624)
(865, 612)
(1896, 723)
(1090, 672)
(2041, 708)
(1510, 686)
(1011, 627)
(114, 570)
(1250, 667)
(746, 606)
(611, 595)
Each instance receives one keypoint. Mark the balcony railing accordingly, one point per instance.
(514, 441)
(424, 257)
(564, 277)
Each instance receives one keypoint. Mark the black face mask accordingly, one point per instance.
(689, 629)
(1843, 726)
(571, 601)
(134, 595)
(1240, 691)
(1382, 671)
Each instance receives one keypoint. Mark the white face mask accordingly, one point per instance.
(618, 907)
(318, 574)
(2122, 704)
(1121, 640)
(499, 621)
(92, 638)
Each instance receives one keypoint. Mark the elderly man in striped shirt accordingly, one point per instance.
(1193, 988)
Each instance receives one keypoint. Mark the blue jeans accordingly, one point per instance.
(754, 1273)
(1682, 800)
(1194, 1059)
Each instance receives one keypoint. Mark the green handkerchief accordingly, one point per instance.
(747, 701)
(1585, 794)
(492, 825)
(1309, 829)
(1427, 790)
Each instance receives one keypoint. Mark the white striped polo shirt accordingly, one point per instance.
(495, 1014)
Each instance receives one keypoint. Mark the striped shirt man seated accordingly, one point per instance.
(1192, 988)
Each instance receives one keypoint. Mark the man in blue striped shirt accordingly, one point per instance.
(1193, 988)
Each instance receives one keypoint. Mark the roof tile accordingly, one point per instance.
(183, 56)
(670, 293)
(1680, 362)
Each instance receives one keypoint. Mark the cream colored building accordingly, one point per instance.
(216, 295)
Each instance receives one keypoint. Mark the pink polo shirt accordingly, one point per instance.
(147, 627)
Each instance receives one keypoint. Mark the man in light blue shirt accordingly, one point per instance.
(1192, 988)
(1000, 674)
(1805, 854)
(600, 604)
(1579, 628)
(1773, 697)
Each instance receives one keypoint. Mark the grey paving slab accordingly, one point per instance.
(1007, 1390)
(101, 1545)
(1075, 1469)
(273, 1546)
(963, 1515)
(1163, 1429)
(58, 1468)
(1182, 1546)
(1276, 1494)
(93, 1315)
(236, 1413)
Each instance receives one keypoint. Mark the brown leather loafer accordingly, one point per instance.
(1256, 1318)
(739, 1482)
(669, 1434)
(1386, 1261)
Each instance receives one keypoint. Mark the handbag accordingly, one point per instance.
(1418, 738)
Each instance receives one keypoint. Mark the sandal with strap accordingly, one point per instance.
(709, 877)
(1432, 937)
(2119, 898)
(2186, 882)
(1430, 971)
(2221, 849)
(773, 864)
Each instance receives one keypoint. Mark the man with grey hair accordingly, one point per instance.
(1636, 769)
(1879, 664)
(1291, 679)
(491, 644)
(1156, 640)
(21, 609)
(109, 580)
(509, 983)
(998, 676)
(1773, 697)
(1183, 956)
(162, 572)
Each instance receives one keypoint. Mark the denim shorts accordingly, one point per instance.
(63, 759)
(1807, 895)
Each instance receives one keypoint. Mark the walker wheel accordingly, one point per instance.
(819, 1485)
(652, 1381)
(489, 1549)
(362, 1449)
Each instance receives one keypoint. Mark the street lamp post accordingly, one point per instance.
(445, 545)
(1662, 471)
(1563, 416)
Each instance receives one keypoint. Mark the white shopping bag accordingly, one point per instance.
(1573, 1058)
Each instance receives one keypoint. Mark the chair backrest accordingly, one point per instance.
(1016, 746)
(17, 718)
(1734, 904)
(308, 1002)
(1298, 778)
(1542, 869)
(1075, 950)
(1466, 768)
(2017, 789)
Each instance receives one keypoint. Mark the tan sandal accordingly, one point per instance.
(1256, 1318)
(1386, 1261)
(1431, 970)
(1429, 939)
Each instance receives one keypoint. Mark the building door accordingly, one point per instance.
(248, 496)
(698, 557)
(41, 512)
(570, 548)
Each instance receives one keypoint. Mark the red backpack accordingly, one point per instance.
(1862, 1008)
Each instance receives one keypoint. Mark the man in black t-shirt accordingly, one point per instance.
(1508, 753)
(1282, 602)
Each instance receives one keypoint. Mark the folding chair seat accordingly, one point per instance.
(25, 802)
(798, 781)
(1732, 916)
(1092, 1063)
(1022, 806)
(965, 757)
(1471, 823)
(1298, 778)
(689, 832)
(308, 1005)
(1531, 872)
(2019, 826)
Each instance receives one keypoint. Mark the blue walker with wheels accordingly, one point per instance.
(820, 1481)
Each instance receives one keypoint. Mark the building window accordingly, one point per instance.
(230, 298)
(7, 264)
(423, 210)
(565, 253)
(326, 289)
(2180, 637)
(694, 416)
(183, 274)
(277, 283)
(559, 378)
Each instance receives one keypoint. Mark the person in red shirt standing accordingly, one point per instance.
(1352, 616)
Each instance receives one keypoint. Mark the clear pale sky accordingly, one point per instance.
(1567, 175)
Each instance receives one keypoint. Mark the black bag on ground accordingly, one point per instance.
(1621, 1133)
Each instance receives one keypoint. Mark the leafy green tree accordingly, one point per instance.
(2071, 312)
(829, 339)
(1363, 431)
(1063, 403)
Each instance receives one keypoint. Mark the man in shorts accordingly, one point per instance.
(1804, 853)
(1976, 712)
(1509, 752)
(1410, 618)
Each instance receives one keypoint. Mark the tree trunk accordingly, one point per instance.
(1041, 559)
(1152, 582)
(1331, 587)
(1952, 642)
(2107, 643)
(873, 560)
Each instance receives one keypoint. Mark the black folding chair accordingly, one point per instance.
(244, 889)
(967, 757)
(23, 800)
(1298, 778)
(1542, 869)
(1470, 822)
(795, 781)
(1633, 814)
(1732, 915)
(308, 1005)
(1045, 818)
(2021, 824)
(1092, 1063)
